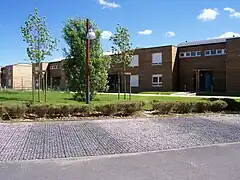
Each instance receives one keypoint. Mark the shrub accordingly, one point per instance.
(107, 109)
(12, 112)
(183, 107)
(232, 104)
(129, 108)
(218, 105)
(162, 107)
(38, 110)
(201, 107)
(81, 110)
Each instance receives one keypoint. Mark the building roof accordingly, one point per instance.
(210, 41)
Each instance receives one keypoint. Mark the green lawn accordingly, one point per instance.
(18, 97)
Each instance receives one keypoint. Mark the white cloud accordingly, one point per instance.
(106, 3)
(106, 34)
(170, 34)
(228, 9)
(233, 12)
(227, 35)
(208, 14)
(145, 32)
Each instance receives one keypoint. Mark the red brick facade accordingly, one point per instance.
(212, 65)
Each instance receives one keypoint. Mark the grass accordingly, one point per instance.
(57, 98)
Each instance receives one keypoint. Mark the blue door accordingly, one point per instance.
(208, 81)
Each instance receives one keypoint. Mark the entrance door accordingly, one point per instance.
(208, 80)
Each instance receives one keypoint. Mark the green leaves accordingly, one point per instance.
(121, 47)
(36, 34)
(74, 34)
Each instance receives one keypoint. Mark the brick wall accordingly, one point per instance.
(22, 76)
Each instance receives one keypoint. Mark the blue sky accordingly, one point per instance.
(150, 22)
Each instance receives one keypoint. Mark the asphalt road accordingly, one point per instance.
(31, 141)
(215, 163)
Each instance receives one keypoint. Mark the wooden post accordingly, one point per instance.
(51, 83)
(45, 87)
(33, 87)
(119, 87)
(130, 89)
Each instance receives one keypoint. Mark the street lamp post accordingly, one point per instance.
(90, 36)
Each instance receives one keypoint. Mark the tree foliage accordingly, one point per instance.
(122, 47)
(74, 33)
(36, 34)
(122, 52)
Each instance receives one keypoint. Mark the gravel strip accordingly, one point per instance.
(29, 141)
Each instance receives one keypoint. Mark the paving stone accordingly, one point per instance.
(29, 141)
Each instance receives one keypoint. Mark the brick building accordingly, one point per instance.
(200, 66)
(17, 76)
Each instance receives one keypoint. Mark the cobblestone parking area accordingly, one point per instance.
(28, 141)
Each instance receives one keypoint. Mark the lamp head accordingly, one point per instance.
(91, 34)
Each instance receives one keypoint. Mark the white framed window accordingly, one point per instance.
(198, 53)
(194, 53)
(157, 80)
(215, 52)
(156, 58)
(134, 80)
(182, 55)
(208, 53)
(134, 61)
(190, 54)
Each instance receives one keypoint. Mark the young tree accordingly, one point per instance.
(40, 42)
(74, 34)
(122, 51)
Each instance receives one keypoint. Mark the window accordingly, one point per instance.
(156, 58)
(193, 54)
(225, 51)
(198, 53)
(134, 80)
(207, 53)
(181, 55)
(213, 52)
(157, 80)
(219, 51)
(188, 54)
(134, 62)
(54, 67)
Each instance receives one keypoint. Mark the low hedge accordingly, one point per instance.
(189, 107)
(57, 111)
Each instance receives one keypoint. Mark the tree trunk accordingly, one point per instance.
(125, 81)
(33, 87)
(39, 82)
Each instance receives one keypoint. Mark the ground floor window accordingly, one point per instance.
(157, 80)
(134, 80)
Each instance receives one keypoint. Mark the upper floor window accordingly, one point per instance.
(215, 52)
(156, 58)
(54, 67)
(190, 54)
(134, 62)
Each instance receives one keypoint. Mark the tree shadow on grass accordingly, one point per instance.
(11, 99)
